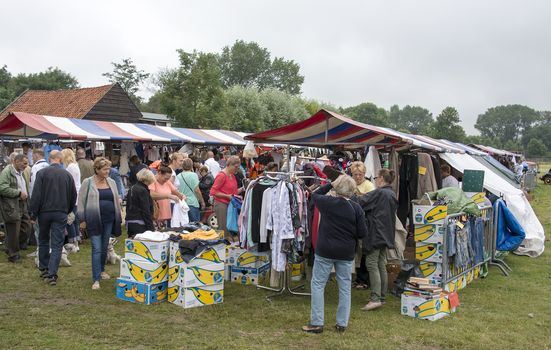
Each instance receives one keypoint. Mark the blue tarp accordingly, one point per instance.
(509, 232)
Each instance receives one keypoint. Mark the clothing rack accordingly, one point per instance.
(285, 286)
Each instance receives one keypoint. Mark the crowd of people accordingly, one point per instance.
(59, 200)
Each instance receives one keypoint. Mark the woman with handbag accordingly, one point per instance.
(189, 186)
(223, 189)
(139, 205)
(100, 211)
(162, 191)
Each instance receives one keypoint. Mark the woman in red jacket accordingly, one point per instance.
(224, 187)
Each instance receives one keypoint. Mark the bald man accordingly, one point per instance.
(212, 164)
(54, 197)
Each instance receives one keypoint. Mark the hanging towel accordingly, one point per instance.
(372, 163)
(180, 214)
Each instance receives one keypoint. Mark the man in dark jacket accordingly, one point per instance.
(13, 200)
(54, 197)
(139, 205)
(380, 212)
(135, 166)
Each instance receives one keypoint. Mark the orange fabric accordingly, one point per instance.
(164, 204)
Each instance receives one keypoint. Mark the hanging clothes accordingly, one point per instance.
(395, 166)
(409, 170)
(426, 179)
(437, 173)
(372, 163)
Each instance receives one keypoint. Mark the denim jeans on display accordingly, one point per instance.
(462, 257)
(320, 275)
(99, 250)
(477, 239)
(450, 231)
(51, 236)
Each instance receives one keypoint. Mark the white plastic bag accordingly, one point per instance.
(249, 151)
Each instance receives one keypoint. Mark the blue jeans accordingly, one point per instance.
(100, 243)
(194, 214)
(52, 235)
(320, 275)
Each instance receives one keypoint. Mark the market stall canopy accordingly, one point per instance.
(19, 124)
(494, 151)
(326, 128)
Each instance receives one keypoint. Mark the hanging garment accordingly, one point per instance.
(477, 239)
(372, 163)
(394, 165)
(437, 173)
(280, 224)
(426, 180)
(180, 214)
(510, 233)
(233, 215)
(409, 170)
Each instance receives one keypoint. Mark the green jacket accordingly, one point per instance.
(9, 196)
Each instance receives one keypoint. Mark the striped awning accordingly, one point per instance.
(326, 128)
(19, 124)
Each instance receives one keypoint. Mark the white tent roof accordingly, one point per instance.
(533, 244)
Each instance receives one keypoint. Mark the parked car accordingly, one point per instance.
(547, 178)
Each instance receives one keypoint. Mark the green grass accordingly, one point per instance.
(495, 313)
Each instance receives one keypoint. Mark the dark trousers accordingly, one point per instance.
(51, 235)
(17, 233)
(362, 275)
(133, 229)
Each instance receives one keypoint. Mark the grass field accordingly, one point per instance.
(496, 312)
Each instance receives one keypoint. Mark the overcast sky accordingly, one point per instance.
(470, 54)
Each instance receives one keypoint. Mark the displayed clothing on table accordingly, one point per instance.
(426, 179)
(152, 236)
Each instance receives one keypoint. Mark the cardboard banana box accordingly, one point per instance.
(429, 252)
(196, 296)
(429, 214)
(250, 275)
(195, 276)
(140, 271)
(425, 308)
(146, 251)
(215, 254)
(431, 270)
(142, 293)
(240, 257)
(429, 233)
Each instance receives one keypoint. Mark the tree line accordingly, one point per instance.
(244, 88)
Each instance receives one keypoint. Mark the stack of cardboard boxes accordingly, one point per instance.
(248, 267)
(423, 298)
(198, 281)
(144, 272)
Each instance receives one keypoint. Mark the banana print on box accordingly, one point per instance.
(207, 297)
(142, 275)
(140, 249)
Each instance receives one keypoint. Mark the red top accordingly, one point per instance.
(224, 184)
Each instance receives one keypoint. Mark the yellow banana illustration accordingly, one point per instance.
(208, 297)
(427, 268)
(479, 198)
(432, 307)
(161, 295)
(249, 258)
(207, 277)
(139, 297)
(173, 273)
(452, 286)
(173, 293)
(178, 257)
(140, 249)
(424, 232)
(423, 252)
(437, 213)
(142, 275)
(210, 255)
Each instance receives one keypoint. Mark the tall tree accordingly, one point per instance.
(412, 119)
(447, 126)
(192, 93)
(312, 106)
(249, 65)
(536, 148)
(506, 122)
(52, 78)
(128, 76)
(368, 113)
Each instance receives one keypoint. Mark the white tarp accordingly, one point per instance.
(533, 244)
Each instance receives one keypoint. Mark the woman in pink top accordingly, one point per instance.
(162, 190)
(224, 187)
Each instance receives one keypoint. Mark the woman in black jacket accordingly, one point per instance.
(139, 205)
(205, 183)
(380, 212)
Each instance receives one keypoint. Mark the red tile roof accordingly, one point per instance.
(75, 103)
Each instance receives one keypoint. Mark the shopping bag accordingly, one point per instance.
(234, 208)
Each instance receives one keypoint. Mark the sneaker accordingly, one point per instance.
(312, 329)
(96, 285)
(340, 329)
(105, 276)
(16, 259)
(51, 280)
(44, 273)
(372, 305)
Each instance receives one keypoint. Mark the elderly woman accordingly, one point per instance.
(342, 224)
(223, 189)
(189, 186)
(99, 209)
(139, 205)
(71, 165)
(363, 186)
(162, 190)
(380, 212)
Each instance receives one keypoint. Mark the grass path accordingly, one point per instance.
(496, 312)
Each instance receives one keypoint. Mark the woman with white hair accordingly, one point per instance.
(342, 224)
(139, 205)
